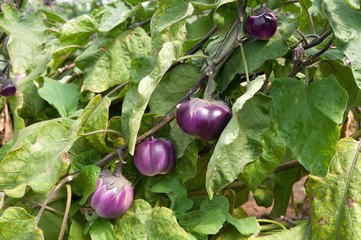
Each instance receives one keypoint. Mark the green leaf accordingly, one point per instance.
(142, 221)
(115, 14)
(256, 172)
(102, 229)
(313, 119)
(351, 51)
(225, 13)
(256, 52)
(76, 231)
(199, 28)
(344, 77)
(52, 15)
(294, 233)
(344, 20)
(283, 182)
(64, 97)
(86, 182)
(263, 196)
(177, 194)
(75, 34)
(107, 61)
(198, 182)
(208, 219)
(83, 159)
(16, 223)
(16, 102)
(180, 10)
(33, 104)
(37, 164)
(335, 210)
(246, 226)
(254, 3)
(354, 3)
(180, 139)
(96, 120)
(50, 223)
(169, 53)
(146, 184)
(187, 164)
(172, 88)
(240, 142)
(26, 35)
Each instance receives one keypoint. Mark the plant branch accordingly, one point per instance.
(356, 135)
(67, 210)
(195, 56)
(197, 47)
(61, 70)
(67, 179)
(46, 207)
(101, 131)
(310, 60)
(141, 24)
(318, 40)
(272, 221)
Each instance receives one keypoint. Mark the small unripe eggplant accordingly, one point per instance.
(112, 197)
(203, 118)
(261, 24)
(153, 157)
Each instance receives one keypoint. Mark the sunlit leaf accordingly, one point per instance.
(308, 125)
(115, 14)
(142, 221)
(241, 141)
(64, 97)
(16, 223)
(26, 35)
(147, 85)
(37, 164)
(335, 199)
(177, 194)
(106, 62)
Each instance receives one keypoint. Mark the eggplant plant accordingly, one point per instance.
(129, 119)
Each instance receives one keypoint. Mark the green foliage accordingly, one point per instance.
(142, 221)
(339, 218)
(64, 97)
(177, 194)
(41, 158)
(312, 111)
(15, 222)
(241, 141)
(69, 122)
(86, 183)
(27, 35)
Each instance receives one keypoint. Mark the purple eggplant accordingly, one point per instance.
(112, 197)
(203, 118)
(8, 87)
(154, 157)
(261, 24)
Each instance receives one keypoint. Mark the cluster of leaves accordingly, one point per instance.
(66, 125)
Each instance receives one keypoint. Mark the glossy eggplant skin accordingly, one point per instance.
(112, 197)
(153, 157)
(8, 87)
(262, 25)
(203, 118)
